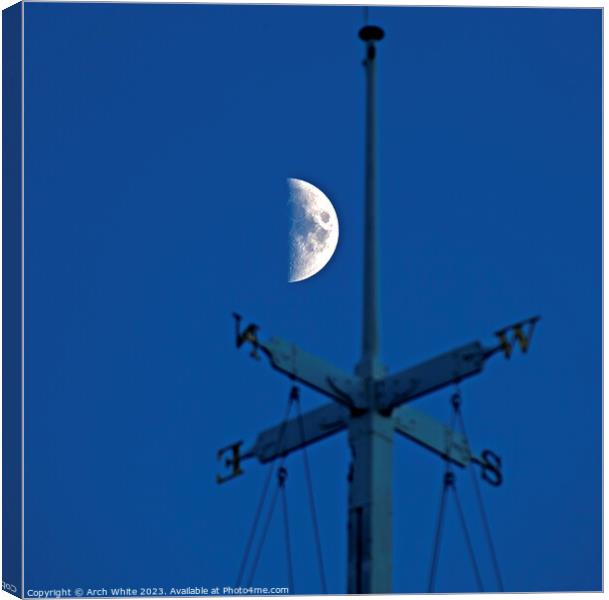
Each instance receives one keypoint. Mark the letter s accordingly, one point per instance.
(492, 464)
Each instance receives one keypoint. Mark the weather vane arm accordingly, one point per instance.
(284, 438)
(446, 443)
(433, 435)
(451, 367)
(294, 434)
(431, 375)
(298, 365)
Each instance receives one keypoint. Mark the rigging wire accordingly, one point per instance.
(263, 537)
(252, 534)
(294, 398)
(468, 539)
(483, 515)
(447, 480)
(282, 475)
(449, 483)
(261, 502)
(309, 480)
(436, 545)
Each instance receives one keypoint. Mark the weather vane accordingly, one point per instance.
(370, 403)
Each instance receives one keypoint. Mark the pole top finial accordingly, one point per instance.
(371, 33)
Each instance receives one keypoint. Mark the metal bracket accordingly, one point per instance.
(233, 462)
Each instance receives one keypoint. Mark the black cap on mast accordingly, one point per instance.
(371, 33)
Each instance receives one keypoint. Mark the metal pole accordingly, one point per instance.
(369, 366)
(370, 490)
(370, 433)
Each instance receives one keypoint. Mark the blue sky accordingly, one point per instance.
(158, 142)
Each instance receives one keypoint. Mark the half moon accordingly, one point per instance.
(314, 230)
